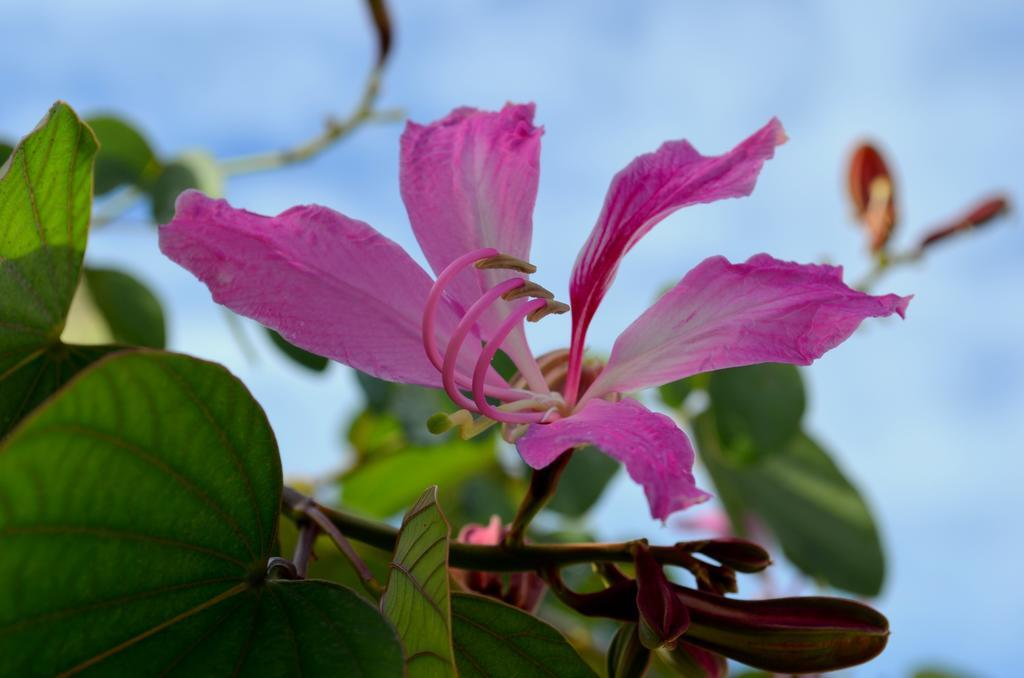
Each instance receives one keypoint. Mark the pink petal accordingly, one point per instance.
(470, 181)
(655, 452)
(649, 189)
(327, 283)
(726, 315)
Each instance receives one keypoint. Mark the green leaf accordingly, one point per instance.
(32, 382)
(495, 639)
(45, 196)
(417, 599)
(5, 151)
(822, 523)
(311, 361)
(137, 512)
(45, 199)
(382, 486)
(192, 169)
(583, 481)
(130, 309)
(627, 657)
(125, 156)
(758, 408)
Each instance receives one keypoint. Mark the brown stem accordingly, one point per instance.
(543, 484)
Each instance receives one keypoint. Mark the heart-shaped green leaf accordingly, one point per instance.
(138, 509)
(822, 523)
(129, 308)
(495, 639)
(417, 599)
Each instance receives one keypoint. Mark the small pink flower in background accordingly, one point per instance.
(524, 589)
(337, 287)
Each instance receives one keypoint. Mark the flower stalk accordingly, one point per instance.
(543, 485)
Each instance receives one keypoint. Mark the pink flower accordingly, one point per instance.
(337, 287)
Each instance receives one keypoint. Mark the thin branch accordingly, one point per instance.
(502, 558)
(543, 484)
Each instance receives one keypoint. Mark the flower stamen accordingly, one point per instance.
(483, 364)
(464, 327)
(506, 261)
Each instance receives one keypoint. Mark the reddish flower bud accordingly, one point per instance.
(739, 554)
(663, 617)
(979, 215)
(523, 590)
(872, 194)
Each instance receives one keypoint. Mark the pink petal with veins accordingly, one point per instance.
(649, 189)
(656, 453)
(327, 283)
(727, 315)
(470, 181)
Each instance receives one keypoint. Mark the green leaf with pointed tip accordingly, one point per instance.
(824, 526)
(45, 196)
(311, 361)
(382, 486)
(129, 308)
(45, 199)
(583, 482)
(758, 408)
(417, 599)
(137, 512)
(495, 639)
(125, 157)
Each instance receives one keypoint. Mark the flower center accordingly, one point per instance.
(520, 406)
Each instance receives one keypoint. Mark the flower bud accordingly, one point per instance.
(663, 617)
(523, 589)
(979, 215)
(872, 194)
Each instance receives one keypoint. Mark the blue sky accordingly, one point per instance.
(923, 414)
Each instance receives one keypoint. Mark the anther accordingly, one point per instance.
(530, 289)
(552, 307)
(507, 261)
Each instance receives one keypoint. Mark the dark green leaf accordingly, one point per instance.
(5, 151)
(130, 309)
(382, 486)
(627, 657)
(417, 599)
(583, 481)
(125, 156)
(310, 361)
(757, 408)
(504, 366)
(819, 518)
(495, 639)
(34, 380)
(137, 512)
